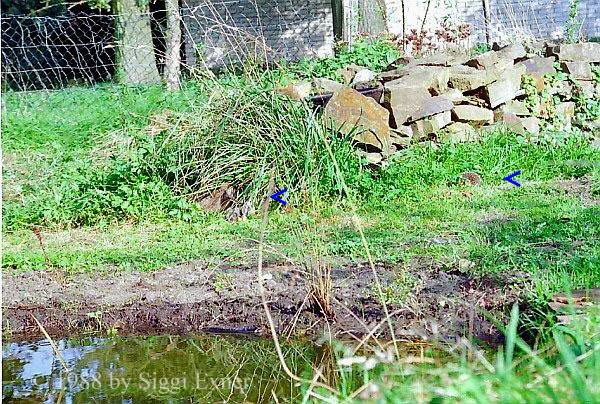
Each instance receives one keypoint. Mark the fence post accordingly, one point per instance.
(337, 8)
(349, 25)
(173, 45)
(137, 62)
(487, 20)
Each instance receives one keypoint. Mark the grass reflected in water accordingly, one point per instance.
(153, 369)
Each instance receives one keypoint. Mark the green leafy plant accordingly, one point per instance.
(573, 25)
(83, 193)
(587, 109)
(543, 100)
(222, 282)
(479, 48)
(373, 54)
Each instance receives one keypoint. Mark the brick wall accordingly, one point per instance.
(229, 31)
(542, 19)
(510, 20)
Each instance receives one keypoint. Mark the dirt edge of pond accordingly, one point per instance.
(432, 301)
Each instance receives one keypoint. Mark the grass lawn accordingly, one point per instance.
(540, 229)
(73, 118)
(99, 212)
(418, 206)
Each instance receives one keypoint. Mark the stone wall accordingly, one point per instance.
(510, 20)
(228, 31)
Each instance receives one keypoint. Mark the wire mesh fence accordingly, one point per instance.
(133, 46)
(49, 52)
(53, 52)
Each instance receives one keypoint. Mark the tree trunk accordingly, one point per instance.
(363, 17)
(173, 49)
(136, 60)
(371, 17)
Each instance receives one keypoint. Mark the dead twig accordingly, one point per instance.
(38, 233)
(52, 344)
(261, 287)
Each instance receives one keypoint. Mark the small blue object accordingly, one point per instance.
(510, 178)
(276, 197)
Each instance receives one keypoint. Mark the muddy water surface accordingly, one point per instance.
(203, 369)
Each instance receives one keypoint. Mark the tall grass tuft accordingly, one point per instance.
(236, 138)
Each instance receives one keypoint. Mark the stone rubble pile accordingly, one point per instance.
(450, 97)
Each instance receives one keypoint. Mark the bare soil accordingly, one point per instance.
(442, 303)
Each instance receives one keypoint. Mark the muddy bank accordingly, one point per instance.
(440, 302)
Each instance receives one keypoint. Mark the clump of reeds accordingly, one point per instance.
(318, 271)
(236, 137)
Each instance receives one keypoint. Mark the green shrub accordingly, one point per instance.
(84, 193)
(373, 54)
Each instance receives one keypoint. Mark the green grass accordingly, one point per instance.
(565, 370)
(107, 194)
(74, 118)
(103, 177)
(403, 230)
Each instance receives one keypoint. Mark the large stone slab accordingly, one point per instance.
(454, 95)
(578, 70)
(506, 88)
(515, 107)
(405, 100)
(430, 125)
(393, 74)
(431, 77)
(458, 132)
(368, 85)
(521, 126)
(466, 78)
(500, 66)
(531, 124)
(402, 131)
(363, 76)
(354, 113)
(432, 106)
(484, 60)
(538, 66)
(402, 135)
(439, 59)
(325, 85)
(513, 123)
(473, 114)
(513, 51)
(577, 52)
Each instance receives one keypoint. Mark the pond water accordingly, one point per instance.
(159, 369)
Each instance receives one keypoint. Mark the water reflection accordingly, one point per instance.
(161, 369)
